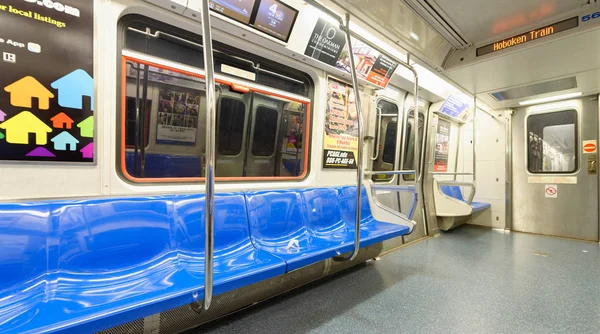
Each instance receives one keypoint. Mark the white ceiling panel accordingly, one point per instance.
(483, 20)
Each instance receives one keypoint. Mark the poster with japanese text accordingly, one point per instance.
(46, 80)
(442, 140)
(341, 127)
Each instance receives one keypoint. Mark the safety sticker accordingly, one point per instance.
(551, 191)
(589, 146)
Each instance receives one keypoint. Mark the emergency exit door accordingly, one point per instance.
(555, 181)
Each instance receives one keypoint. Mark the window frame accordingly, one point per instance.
(239, 85)
(576, 141)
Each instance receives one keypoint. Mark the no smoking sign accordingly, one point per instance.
(551, 191)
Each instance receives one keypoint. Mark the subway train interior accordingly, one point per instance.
(296, 166)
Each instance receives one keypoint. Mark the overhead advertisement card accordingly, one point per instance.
(341, 127)
(328, 45)
(46, 80)
(326, 42)
(455, 106)
(442, 141)
(370, 64)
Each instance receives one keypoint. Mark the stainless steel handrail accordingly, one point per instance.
(346, 27)
(359, 162)
(378, 130)
(451, 173)
(390, 172)
(209, 154)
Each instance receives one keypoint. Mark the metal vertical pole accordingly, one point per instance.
(472, 195)
(359, 162)
(209, 154)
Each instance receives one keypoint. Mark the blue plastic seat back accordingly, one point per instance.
(347, 199)
(166, 165)
(230, 223)
(323, 210)
(24, 231)
(276, 218)
(452, 191)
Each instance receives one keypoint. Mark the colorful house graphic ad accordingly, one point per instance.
(24, 90)
(73, 87)
(64, 140)
(88, 151)
(61, 121)
(87, 127)
(1, 135)
(40, 152)
(21, 125)
(2, 116)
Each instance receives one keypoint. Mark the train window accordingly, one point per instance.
(130, 122)
(265, 132)
(389, 145)
(551, 142)
(232, 117)
(175, 150)
(409, 149)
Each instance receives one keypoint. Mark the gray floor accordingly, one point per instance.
(471, 280)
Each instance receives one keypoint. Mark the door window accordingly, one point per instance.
(231, 126)
(551, 140)
(265, 132)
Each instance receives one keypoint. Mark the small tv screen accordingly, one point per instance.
(239, 10)
(275, 19)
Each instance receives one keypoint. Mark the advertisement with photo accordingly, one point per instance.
(177, 117)
(341, 126)
(442, 140)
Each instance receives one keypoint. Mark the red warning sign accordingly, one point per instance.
(551, 191)
(589, 146)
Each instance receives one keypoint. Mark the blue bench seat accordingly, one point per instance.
(113, 261)
(306, 226)
(86, 265)
(455, 192)
(166, 165)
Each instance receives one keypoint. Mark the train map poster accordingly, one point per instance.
(46, 81)
(326, 42)
(442, 140)
(177, 116)
(341, 127)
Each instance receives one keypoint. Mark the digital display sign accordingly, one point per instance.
(529, 36)
(239, 10)
(275, 19)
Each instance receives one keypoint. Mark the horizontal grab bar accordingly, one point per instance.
(450, 173)
(392, 187)
(393, 172)
(455, 183)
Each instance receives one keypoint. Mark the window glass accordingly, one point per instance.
(265, 131)
(409, 149)
(130, 121)
(551, 142)
(232, 115)
(389, 144)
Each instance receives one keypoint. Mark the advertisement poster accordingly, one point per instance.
(46, 80)
(177, 117)
(442, 140)
(341, 127)
(370, 64)
(326, 42)
(455, 107)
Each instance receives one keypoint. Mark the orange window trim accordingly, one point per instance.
(199, 179)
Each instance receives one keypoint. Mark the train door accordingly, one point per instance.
(385, 148)
(409, 163)
(264, 133)
(555, 181)
(232, 128)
